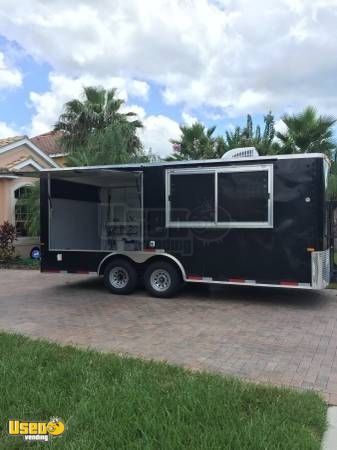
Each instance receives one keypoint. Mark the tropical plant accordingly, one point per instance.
(250, 137)
(31, 202)
(199, 142)
(196, 142)
(100, 108)
(7, 238)
(111, 145)
(308, 132)
(332, 181)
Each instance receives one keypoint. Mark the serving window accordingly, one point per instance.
(192, 197)
(233, 197)
(96, 211)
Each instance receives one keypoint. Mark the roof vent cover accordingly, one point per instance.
(241, 152)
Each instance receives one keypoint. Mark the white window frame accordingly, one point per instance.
(216, 170)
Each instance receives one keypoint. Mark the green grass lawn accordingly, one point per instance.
(113, 402)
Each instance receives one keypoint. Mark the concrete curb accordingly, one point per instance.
(330, 436)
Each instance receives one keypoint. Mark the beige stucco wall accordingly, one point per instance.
(5, 204)
(9, 159)
(60, 160)
(23, 245)
(7, 197)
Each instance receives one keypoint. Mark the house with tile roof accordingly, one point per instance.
(21, 153)
(49, 143)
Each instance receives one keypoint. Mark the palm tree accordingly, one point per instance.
(307, 132)
(114, 143)
(99, 109)
(111, 145)
(196, 142)
(248, 137)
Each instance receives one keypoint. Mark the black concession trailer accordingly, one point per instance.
(259, 221)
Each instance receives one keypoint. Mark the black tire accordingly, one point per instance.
(162, 279)
(120, 277)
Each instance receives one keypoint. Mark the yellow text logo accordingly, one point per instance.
(36, 430)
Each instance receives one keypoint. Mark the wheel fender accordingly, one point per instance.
(139, 258)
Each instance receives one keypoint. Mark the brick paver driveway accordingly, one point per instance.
(278, 336)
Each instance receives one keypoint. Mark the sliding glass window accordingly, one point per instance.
(233, 197)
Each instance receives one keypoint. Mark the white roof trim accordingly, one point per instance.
(9, 176)
(26, 141)
(28, 162)
(258, 159)
(55, 155)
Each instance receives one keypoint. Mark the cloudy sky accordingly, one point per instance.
(173, 61)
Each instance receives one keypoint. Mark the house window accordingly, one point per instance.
(22, 212)
(220, 197)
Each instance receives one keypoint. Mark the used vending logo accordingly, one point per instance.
(32, 430)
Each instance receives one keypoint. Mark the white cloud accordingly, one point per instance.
(188, 119)
(48, 105)
(280, 126)
(139, 110)
(10, 77)
(237, 56)
(157, 132)
(7, 130)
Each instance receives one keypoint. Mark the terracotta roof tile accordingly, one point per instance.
(17, 161)
(49, 142)
(11, 140)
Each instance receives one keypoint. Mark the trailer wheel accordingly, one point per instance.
(162, 279)
(120, 277)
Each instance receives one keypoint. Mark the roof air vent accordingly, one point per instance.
(242, 152)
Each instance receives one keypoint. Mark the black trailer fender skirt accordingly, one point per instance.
(140, 257)
(320, 270)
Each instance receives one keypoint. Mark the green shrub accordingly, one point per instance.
(7, 238)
